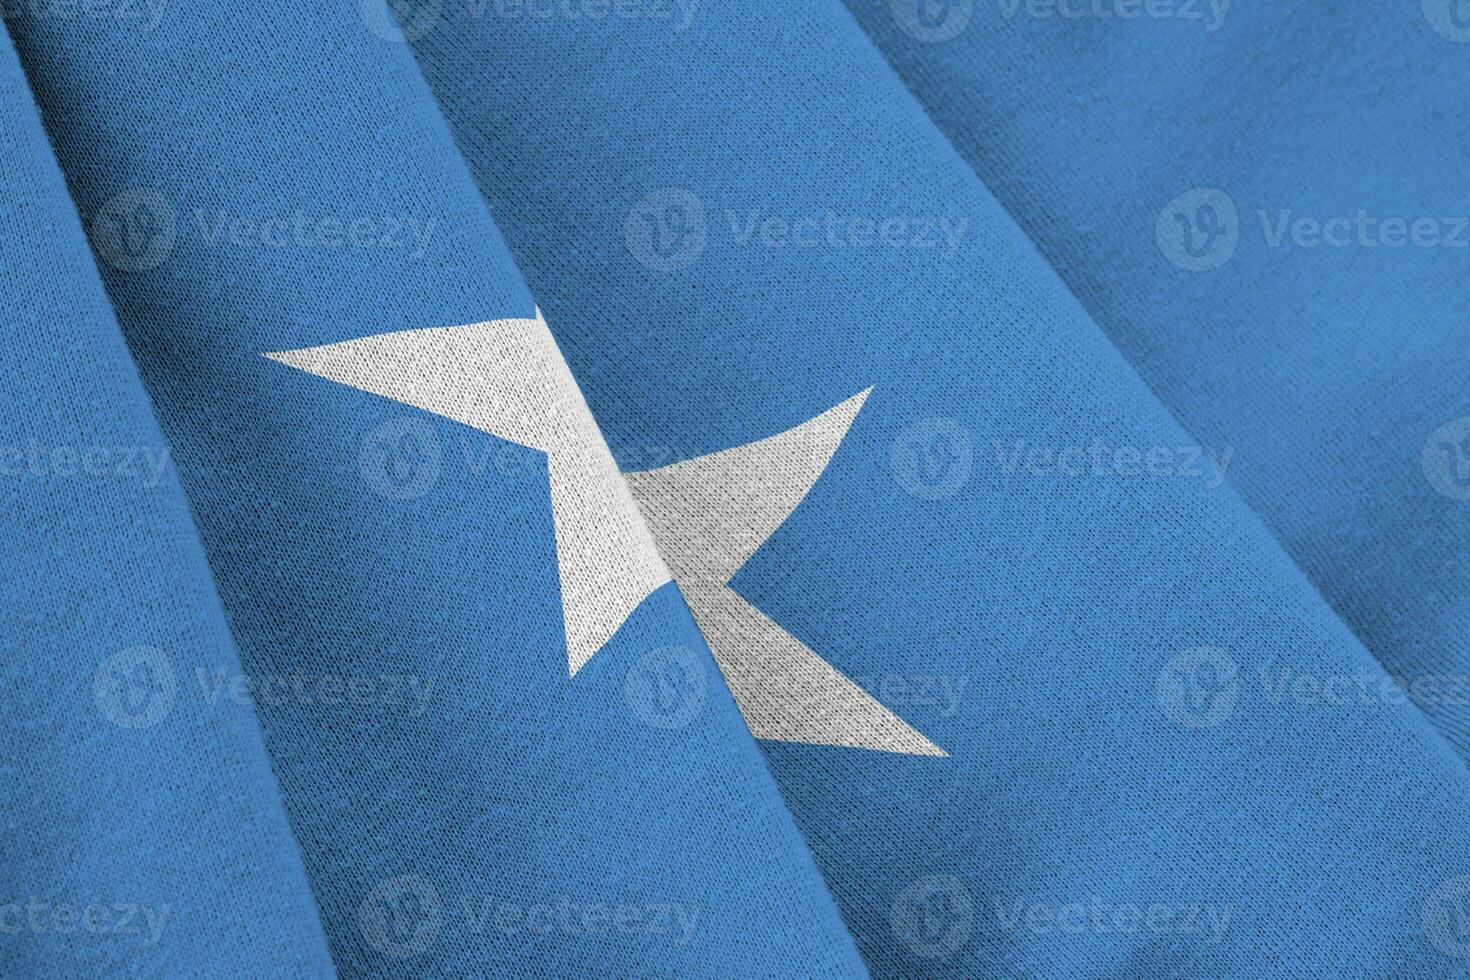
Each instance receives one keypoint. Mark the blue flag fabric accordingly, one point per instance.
(463, 806)
(952, 567)
(1167, 756)
(143, 829)
(1328, 240)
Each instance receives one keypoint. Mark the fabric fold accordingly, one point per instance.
(1279, 270)
(385, 519)
(1165, 754)
(144, 832)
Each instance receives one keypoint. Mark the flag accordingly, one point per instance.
(1342, 275)
(499, 738)
(657, 489)
(1163, 753)
(143, 826)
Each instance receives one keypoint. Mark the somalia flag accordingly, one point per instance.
(497, 742)
(560, 488)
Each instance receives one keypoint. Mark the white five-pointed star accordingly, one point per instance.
(708, 515)
(507, 378)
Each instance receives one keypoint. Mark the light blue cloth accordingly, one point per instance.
(1151, 524)
(1160, 762)
(1321, 334)
(471, 811)
(143, 832)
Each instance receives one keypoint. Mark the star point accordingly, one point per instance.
(709, 515)
(507, 378)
